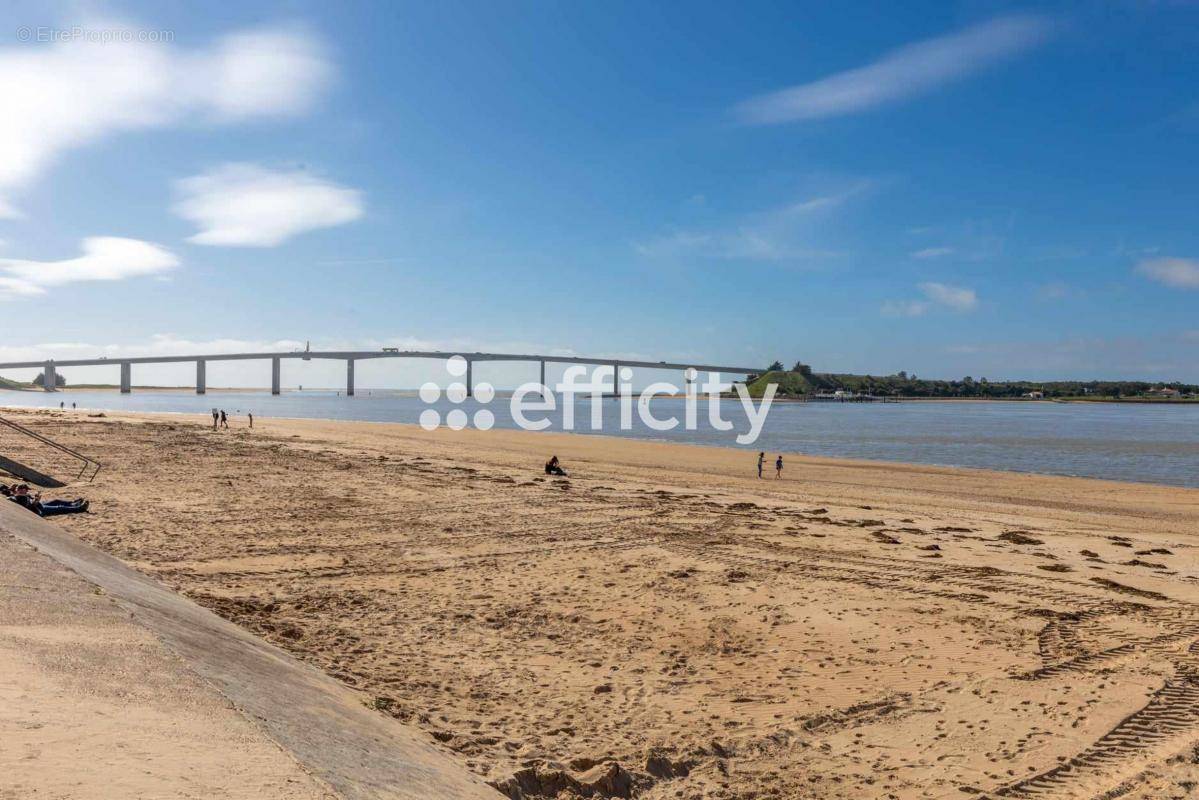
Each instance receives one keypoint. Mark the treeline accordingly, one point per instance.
(801, 380)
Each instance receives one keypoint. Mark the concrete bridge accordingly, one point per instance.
(125, 365)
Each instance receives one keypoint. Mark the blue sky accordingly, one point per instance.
(948, 189)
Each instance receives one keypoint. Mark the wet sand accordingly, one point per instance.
(662, 624)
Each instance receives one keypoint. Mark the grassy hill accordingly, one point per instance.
(5, 383)
(791, 384)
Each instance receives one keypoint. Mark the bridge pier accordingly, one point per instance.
(349, 377)
(126, 377)
(275, 370)
(49, 378)
(470, 384)
(616, 392)
(544, 388)
(201, 376)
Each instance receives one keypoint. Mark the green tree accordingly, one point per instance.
(777, 366)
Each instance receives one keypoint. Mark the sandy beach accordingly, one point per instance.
(663, 624)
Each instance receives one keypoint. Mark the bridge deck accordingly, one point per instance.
(356, 355)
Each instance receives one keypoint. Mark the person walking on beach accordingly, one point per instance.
(216, 415)
(224, 420)
(761, 463)
(250, 414)
(778, 467)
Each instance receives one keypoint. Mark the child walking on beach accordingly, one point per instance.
(761, 462)
(778, 467)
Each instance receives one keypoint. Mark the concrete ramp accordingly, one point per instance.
(332, 745)
(29, 474)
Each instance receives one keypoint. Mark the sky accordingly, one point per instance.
(949, 189)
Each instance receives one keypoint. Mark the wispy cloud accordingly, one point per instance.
(104, 258)
(956, 298)
(1180, 273)
(933, 252)
(906, 308)
(67, 94)
(245, 205)
(1054, 290)
(953, 298)
(908, 71)
(787, 233)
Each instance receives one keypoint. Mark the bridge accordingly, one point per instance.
(125, 365)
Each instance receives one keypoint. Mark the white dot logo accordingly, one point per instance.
(457, 392)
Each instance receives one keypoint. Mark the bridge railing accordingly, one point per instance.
(87, 463)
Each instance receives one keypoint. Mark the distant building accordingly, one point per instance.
(1036, 394)
(1163, 391)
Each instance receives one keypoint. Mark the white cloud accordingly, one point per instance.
(266, 72)
(905, 72)
(954, 298)
(67, 94)
(1181, 273)
(14, 287)
(104, 258)
(933, 252)
(248, 206)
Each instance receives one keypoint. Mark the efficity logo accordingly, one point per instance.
(531, 404)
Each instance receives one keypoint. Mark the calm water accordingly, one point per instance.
(1121, 442)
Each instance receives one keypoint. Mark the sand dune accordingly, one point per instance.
(663, 625)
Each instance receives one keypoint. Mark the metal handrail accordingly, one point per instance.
(88, 462)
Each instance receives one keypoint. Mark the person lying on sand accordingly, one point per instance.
(553, 467)
(49, 508)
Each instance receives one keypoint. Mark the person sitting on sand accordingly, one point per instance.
(49, 508)
(553, 467)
